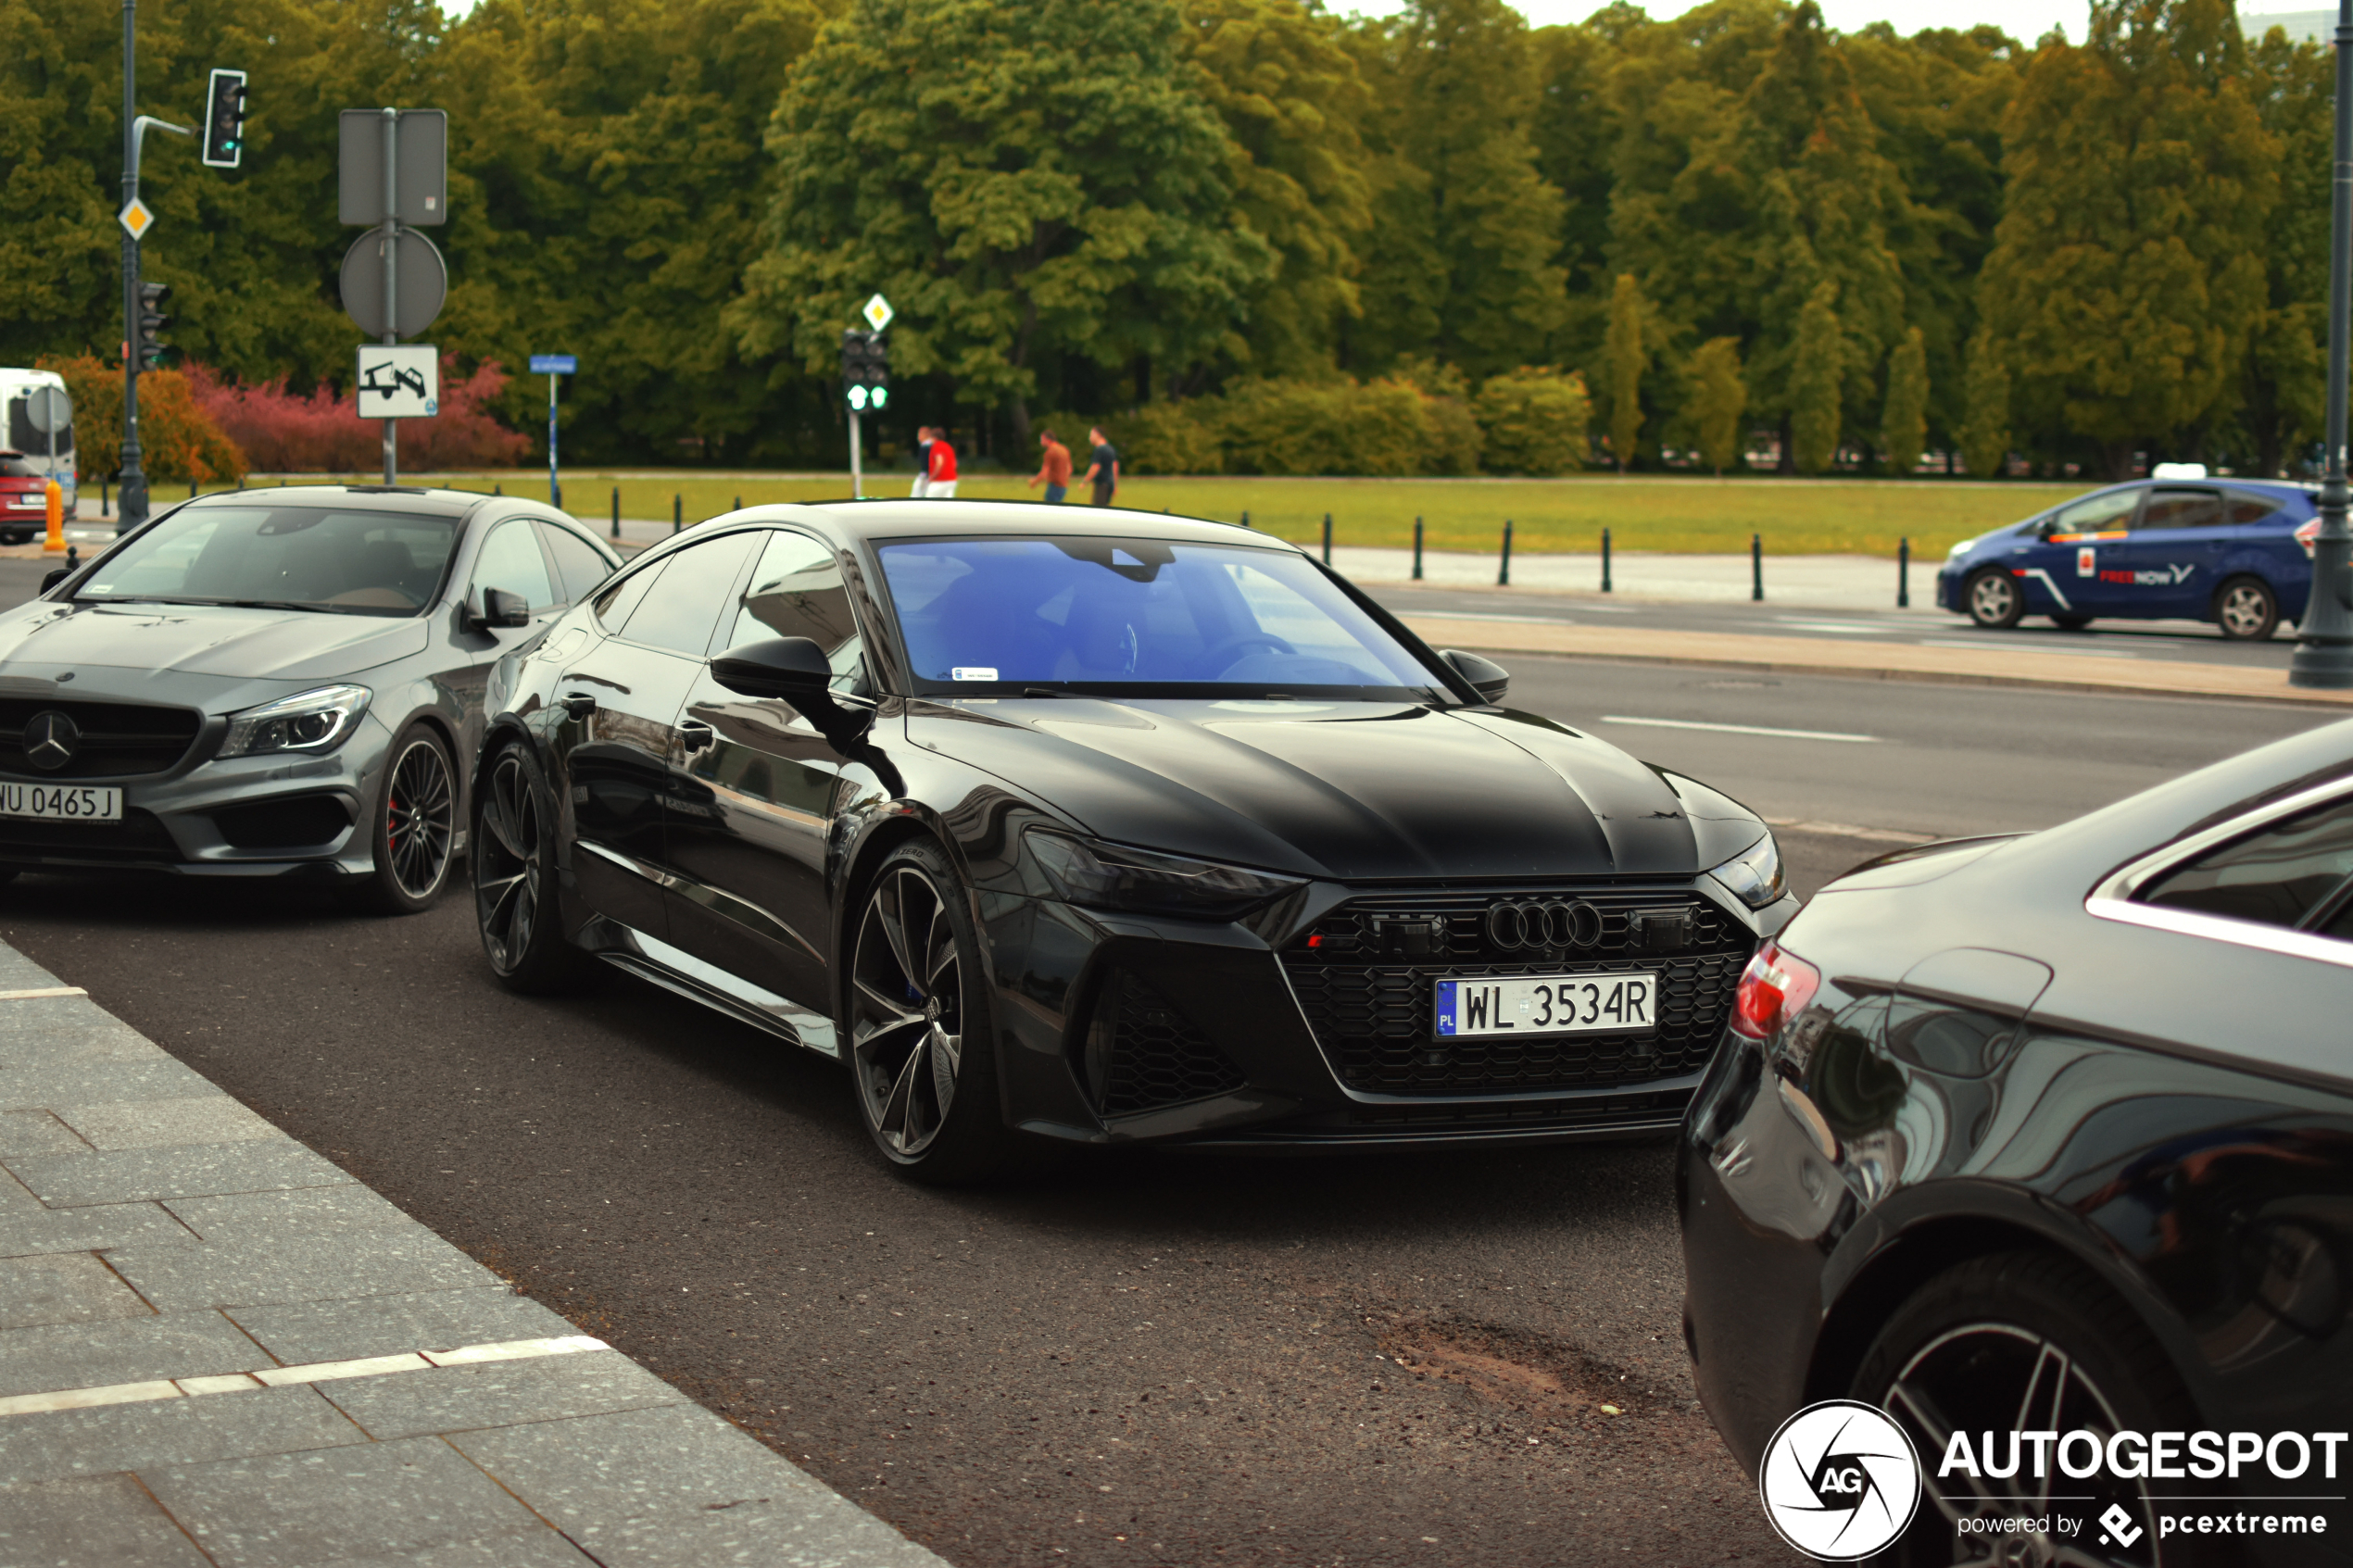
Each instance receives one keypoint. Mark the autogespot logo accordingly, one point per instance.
(1840, 1480)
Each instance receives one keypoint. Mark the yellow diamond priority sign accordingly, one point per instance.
(137, 219)
(877, 312)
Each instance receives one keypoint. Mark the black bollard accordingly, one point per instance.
(1903, 574)
(1504, 575)
(1245, 518)
(1757, 567)
(1327, 538)
(677, 512)
(739, 503)
(1418, 549)
(616, 511)
(497, 490)
(1604, 560)
(192, 488)
(103, 485)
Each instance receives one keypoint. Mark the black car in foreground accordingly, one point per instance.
(1104, 827)
(2045, 1146)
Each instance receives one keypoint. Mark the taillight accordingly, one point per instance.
(1775, 988)
(2306, 533)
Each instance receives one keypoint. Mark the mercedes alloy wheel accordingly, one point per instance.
(415, 827)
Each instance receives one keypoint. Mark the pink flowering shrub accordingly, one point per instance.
(281, 432)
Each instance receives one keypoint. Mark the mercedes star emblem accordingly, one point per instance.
(50, 740)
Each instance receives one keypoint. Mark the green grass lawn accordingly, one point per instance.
(1686, 516)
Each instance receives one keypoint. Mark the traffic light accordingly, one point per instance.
(224, 119)
(865, 369)
(152, 320)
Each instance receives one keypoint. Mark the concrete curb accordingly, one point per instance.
(1887, 661)
(218, 1348)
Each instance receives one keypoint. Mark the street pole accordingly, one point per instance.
(857, 472)
(133, 511)
(2325, 648)
(392, 273)
(555, 490)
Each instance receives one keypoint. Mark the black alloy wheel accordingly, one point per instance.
(512, 850)
(416, 825)
(918, 1025)
(1994, 599)
(2017, 1343)
(2247, 609)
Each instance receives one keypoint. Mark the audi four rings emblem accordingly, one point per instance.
(50, 740)
(1549, 923)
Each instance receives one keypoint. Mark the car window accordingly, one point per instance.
(614, 605)
(2099, 514)
(308, 557)
(796, 591)
(2180, 509)
(682, 608)
(580, 564)
(2242, 508)
(2278, 876)
(14, 467)
(510, 559)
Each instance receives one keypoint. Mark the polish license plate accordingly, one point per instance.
(1549, 1004)
(68, 803)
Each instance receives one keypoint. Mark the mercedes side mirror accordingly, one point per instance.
(791, 667)
(500, 610)
(1488, 678)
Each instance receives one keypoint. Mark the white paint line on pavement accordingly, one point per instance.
(1836, 628)
(1480, 615)
(1989, 646)
(43, 991)
(288, 1377)
(1738, 729)
(1848, 830)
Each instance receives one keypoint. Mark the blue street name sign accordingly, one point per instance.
(554, 364)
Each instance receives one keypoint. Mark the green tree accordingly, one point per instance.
(1624, 359)
(1535, 422)
(1814, 379)
(1287, 89)
(1904, 427)
(1719, 399)
(2127, 268)
(1460, 264)
(1985, 428)
(1021, 182)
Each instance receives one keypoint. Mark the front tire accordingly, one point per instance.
(2247, 609)
(2018, 1342)
(512, 854)
(919, 1028)
(414, 826)
(1994, 599)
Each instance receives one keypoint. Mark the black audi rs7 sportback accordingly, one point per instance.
(2045, 1146)
(1100, 827)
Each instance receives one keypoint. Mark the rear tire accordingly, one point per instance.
(414, 824)
(512, 854)
(1994, 599)
(2247, 609)
(2071, 623)
(2021, 1341)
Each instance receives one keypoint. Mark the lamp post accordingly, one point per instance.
(2324, 646)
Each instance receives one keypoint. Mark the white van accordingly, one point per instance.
(46, 456)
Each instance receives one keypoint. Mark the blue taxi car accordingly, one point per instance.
(2234, 552)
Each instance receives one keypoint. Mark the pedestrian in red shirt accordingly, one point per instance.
(941, 473)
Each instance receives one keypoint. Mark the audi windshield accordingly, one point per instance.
(1138, 617)
(306, 557)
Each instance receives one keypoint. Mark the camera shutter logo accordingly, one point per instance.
(1840, 1480)
(50, 740)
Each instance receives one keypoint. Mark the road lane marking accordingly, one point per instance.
(1849, 829)
(43, 991)
(288, 1377)
(1840, 628)
(1482, 615)
(1738, 729)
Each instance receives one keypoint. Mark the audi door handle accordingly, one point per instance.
(695, 734)
(578, 705)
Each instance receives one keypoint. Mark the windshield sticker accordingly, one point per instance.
(972, 672)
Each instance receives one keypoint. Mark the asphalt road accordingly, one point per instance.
(1162, 1360)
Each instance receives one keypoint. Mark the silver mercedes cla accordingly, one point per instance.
(273, 683)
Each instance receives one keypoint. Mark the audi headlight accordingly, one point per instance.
(1753, 874)
(1111, 876)
(308, 722)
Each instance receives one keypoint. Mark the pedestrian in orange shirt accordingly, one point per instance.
(942, 458)
(1054, 473)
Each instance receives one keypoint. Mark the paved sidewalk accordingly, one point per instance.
(216, 1347)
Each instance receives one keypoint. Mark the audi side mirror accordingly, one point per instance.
(791, 667)
(1488, 678)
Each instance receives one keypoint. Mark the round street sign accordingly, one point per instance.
(49, 409)
(424, 282)
(877, 312)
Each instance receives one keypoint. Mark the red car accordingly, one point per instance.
(24, 501)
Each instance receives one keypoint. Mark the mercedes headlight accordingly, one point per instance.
(1755, 874)
(1111, 876)
(308, 722)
